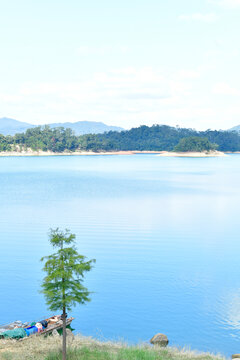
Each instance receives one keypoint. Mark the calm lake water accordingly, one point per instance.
(164, 232)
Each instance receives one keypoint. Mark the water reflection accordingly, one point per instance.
(164, 233)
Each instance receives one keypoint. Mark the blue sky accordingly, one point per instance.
(125, 63)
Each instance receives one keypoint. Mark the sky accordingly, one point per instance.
(124, 63)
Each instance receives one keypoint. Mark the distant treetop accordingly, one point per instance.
(195, 144)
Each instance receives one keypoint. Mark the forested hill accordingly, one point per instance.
(157, 137)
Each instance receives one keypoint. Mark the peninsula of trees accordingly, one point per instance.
(143, 138)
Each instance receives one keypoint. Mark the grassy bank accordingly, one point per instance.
(38, 348)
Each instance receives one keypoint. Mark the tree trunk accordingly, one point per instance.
(64, 350)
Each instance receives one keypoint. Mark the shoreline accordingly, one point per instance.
(193, 154)
(127, 152)
(75, 153)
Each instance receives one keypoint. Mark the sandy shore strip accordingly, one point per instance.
(30, 152)
(192, 154)
(75, 153)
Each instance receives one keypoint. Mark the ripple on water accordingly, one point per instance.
(164, 233)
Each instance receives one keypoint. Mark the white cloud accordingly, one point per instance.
(116, 88)
(126, 97)
(227, 3)
(225, 89)
(130, 95)
(189, 74)
(208, 18)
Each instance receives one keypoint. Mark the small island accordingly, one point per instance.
(194, 146)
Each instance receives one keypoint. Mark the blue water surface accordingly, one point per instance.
(164, 232)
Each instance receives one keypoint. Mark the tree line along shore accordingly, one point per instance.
(155, 138)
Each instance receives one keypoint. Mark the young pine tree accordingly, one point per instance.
(63, 284)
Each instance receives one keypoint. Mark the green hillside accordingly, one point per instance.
(154, 138)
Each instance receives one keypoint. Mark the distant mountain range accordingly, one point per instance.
(11, 127)
(235, 128)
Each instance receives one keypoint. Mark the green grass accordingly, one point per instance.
(83, 354)
(124, 354)
(83, 348)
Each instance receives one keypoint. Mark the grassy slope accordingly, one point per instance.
(83, 348)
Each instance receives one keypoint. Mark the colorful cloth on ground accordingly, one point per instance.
(39, 326)
(14, 334)
(31, 330)
(44, 323)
